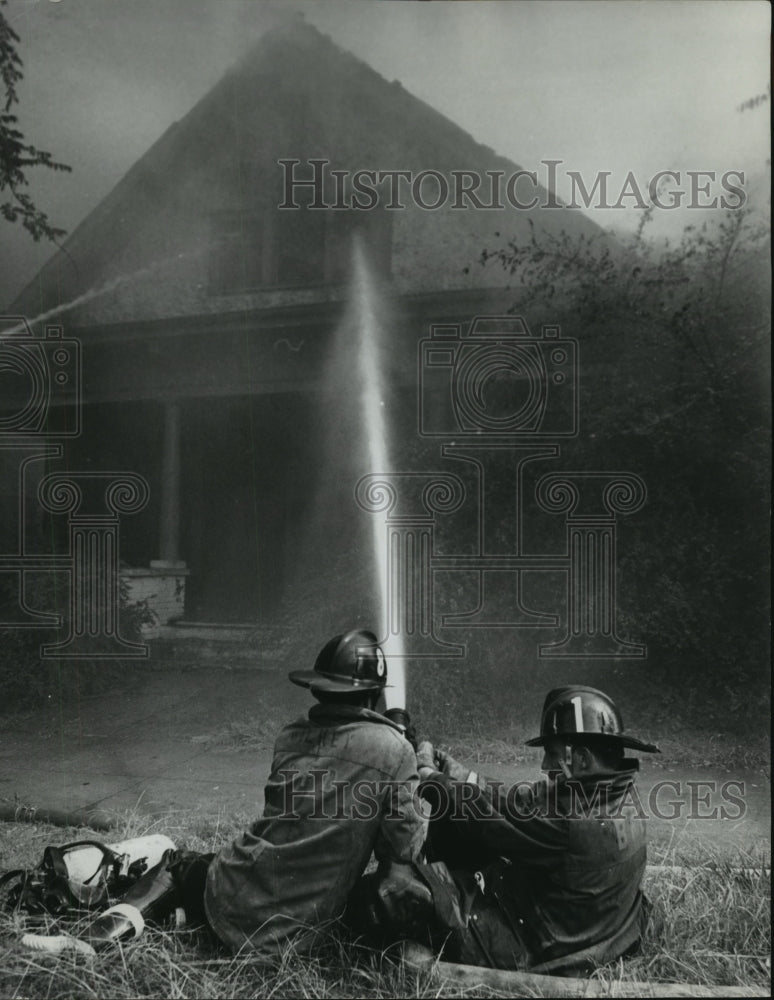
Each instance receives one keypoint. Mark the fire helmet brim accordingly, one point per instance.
(335, 684)
(630, 742)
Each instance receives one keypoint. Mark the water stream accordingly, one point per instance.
(375, 424)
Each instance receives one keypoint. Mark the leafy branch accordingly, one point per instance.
(16, 154)
(680, 289)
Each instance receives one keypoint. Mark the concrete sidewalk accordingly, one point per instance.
(174, 741)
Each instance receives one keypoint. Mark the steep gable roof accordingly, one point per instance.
(143, 252)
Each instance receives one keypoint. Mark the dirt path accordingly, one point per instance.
(200, 740)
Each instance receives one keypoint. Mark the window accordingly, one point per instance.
(303, 247)
(237, 257)
(299, 246)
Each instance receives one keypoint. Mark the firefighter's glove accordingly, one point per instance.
(425, 760)
(447, 765)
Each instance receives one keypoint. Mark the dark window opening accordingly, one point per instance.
(299, 247)
(294, 247)
(238, 259)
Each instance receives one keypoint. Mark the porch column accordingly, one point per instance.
(169, 533)
(162, 586)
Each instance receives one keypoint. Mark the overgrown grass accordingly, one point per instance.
(710, 926)
(711, 919)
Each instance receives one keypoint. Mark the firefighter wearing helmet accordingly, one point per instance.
(578, 722)
(325, 808)
(542, 876)
(350, 665)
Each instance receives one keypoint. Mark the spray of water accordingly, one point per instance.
(96, 293)
(375, 426)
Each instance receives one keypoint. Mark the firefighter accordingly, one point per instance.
(342, 786)
(547, 876)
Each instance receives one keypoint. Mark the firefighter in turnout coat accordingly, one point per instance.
(342, 785)
(543, 877)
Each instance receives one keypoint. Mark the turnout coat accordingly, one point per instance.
(544, 877)
(342, 785)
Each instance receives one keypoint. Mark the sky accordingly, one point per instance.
(608, 85)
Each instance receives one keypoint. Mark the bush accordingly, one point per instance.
(674, 362)
(28, 679)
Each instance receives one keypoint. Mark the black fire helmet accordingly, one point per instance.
(346, 663)
(583, 715)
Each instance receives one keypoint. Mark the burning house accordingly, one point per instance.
(206, 290)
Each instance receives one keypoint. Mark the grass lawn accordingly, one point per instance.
(710, 925)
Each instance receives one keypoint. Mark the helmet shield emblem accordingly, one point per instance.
(581, 714)
(350, 662)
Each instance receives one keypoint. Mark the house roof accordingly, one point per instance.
(142, 253)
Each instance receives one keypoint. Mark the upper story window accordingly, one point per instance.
(298, 247)
(238, 257)
(273, 248)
